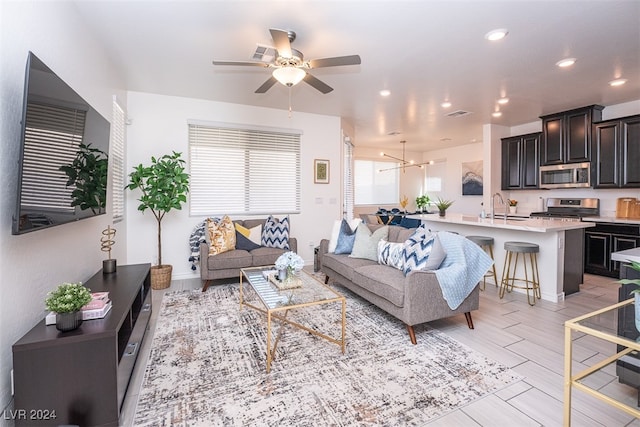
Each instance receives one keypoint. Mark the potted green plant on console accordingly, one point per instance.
(66, 301)
(443, 205)
(164, 185)
(422, 202)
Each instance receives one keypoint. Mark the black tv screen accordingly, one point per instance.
(64, 154)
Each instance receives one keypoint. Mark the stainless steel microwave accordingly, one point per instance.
(572, 175)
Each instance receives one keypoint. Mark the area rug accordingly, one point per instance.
(207, 368)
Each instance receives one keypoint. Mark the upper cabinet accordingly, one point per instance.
(616, 153)
(566, 136)
(520, 159)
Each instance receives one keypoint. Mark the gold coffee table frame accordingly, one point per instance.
(275, 304)
(573, 380)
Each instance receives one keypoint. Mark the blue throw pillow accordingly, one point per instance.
(422, 251)
(245, 244)
(275, 234)
(346, 238)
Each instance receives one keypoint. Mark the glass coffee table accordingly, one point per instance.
(265, 297)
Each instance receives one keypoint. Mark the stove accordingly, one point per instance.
(566, 209)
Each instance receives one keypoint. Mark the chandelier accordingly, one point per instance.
(403, 162)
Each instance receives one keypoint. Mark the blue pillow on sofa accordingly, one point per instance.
(346, 238)
(244, 243)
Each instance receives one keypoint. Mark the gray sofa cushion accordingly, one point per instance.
(382, 280)
(266, 256)
(229, 259)
(344, 265)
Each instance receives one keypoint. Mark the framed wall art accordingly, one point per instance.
(321, 171)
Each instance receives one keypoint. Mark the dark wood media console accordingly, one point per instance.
(81, 377)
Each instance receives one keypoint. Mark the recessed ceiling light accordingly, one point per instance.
(445, 104)
(503, 101)
(497, 34)
(385, 92)
(567, 62)
(497, 114)
(617, 82)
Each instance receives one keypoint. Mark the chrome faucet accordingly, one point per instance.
(493, 206)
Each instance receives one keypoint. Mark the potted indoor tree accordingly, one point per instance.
(422, 202)
(164, 185)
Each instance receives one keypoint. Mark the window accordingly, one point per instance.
(51, 132)
(243, 171)
(373, 187)
(116, 161)
(348, 179)
(435, 177)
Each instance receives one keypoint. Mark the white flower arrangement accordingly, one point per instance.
(289, 261)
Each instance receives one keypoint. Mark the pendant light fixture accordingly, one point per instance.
(403, 162)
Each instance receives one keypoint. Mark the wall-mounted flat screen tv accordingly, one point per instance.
(64, 154)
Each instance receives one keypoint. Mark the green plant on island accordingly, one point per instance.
(422, 201)
(164, 185)
(512, 202)
(443, 204)
(88, 174)
(636, 266)
(68, 297)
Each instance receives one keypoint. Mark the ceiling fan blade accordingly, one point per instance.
(267, 85)
(281, 40)
(242, 63)
(335, 62)
(317, 83)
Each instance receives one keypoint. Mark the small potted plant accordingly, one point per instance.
(513, 203)
(636, 292)
(422, 202)
(443, 205)
(66, 301)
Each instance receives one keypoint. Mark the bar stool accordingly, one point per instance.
(486, 243)
(509, 277)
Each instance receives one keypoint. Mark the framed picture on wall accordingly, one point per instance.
(321, 171)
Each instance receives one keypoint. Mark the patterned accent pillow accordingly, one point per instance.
(366, 244)
(346, 237)
(422, 251)
(391, 253)
(275, 234)
(222, 235)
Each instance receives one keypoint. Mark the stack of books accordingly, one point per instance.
(97, 308)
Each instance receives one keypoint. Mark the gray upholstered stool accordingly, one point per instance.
(486, 243)
(509, 277)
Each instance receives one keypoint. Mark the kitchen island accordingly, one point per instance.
(561, 257)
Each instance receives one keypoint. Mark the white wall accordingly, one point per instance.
(32, 264)
(159, 125)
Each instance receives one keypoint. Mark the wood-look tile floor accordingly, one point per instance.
(530, 340)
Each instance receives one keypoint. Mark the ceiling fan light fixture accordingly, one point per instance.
(289, 76)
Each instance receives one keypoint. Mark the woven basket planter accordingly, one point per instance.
(161, 276)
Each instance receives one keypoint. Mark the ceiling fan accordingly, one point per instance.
(288, 64)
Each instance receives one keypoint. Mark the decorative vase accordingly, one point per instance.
(513, 209)
(442, 212)
(282, 274)
(109, 266)
(636, 304)
(68, 321)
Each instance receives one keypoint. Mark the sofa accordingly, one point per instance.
(413, 299)
(228, 264)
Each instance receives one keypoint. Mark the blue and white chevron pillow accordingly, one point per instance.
(391, 253)
(276, 234)
(417, 250)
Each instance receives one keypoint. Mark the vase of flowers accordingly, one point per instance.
(289, 263)
(66, 301)
(513, 206)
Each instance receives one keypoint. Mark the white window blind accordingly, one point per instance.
(51, 132)
(117, 161)
(348, 179)
(373, 187)
(243, 171)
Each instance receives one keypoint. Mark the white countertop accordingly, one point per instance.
(539, 225)
(613, 219)
(627, 255)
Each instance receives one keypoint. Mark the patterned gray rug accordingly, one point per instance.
(207, 368)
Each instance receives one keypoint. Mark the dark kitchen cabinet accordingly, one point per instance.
(566, 136)
(520, 160)
(616, 153)
(602, 240)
